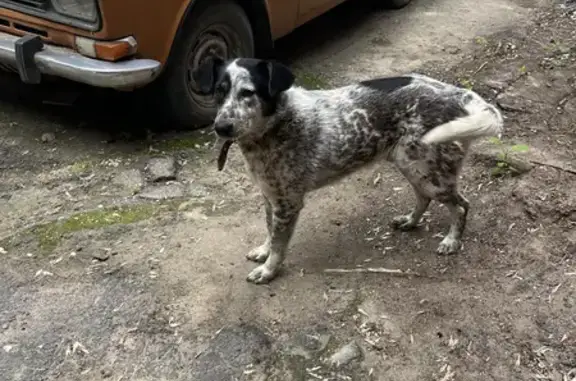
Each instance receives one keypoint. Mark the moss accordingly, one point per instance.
(311, 81)
(482, 41)
(50, 234)
(195, 140)
(466, 83)
(80, 167)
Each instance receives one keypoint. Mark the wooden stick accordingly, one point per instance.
(380, 270)
(569, 170)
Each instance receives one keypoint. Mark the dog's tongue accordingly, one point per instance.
(223, 154)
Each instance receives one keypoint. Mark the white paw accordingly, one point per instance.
(261, 275)
(259, 254)
(405, 222)
(448, 246)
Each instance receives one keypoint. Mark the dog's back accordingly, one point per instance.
(351, 126)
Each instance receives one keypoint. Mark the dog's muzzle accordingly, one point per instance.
(224, 130)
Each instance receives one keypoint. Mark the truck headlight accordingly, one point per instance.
(86, 10)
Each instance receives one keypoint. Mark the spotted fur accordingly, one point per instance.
(296, 140)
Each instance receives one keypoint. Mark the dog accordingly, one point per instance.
(295, 140)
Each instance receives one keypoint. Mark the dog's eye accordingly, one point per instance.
(246, 93)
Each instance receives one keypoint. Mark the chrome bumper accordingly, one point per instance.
(66, 63)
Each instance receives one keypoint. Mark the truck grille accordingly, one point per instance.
(37, 4)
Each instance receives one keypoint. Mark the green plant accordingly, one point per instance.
(466, 83)
(523, 70)
(503, 159)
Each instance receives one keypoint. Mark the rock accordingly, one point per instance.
(308, 343)
(516, 164)
(345, 355)
(161, 169)
(452, 50)
(102, 255)
(496, 84)
(163, 192)
(510, 101)
(106, 372)
(131, 179)
(570, 107)
(48, 137)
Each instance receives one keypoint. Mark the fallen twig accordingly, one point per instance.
(559, 167)
(480, 68)
(380, 270)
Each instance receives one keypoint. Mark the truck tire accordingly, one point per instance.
(214, 27)
(389, 4)
(396, 4)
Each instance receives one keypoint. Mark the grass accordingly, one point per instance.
(195, 140)
(311, 81)
(50, 234)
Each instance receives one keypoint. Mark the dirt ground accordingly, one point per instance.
(123, 247)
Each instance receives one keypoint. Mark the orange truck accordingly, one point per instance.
(129, 44)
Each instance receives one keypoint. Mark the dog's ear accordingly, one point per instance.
(207, 74)
(278, 76)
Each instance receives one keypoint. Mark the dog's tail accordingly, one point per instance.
(483, 120)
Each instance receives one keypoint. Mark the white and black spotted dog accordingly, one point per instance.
(296, 140)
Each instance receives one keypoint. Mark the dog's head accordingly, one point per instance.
(246, 90)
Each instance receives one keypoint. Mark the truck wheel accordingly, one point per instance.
(396, 4)
(214, 27)
(389, 4)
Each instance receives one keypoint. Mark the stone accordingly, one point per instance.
(106, 372)
(48, 137)
(101, 255)
(309, 343)
(345, 355)
(452, 49)
(163, 192)
(131, 179)
(510, 101)
(161, 169)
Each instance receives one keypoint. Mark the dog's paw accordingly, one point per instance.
(259, 254)
(404, 222)
(448, 246)
(261, 275)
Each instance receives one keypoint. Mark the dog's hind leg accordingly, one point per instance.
(260, 253)
(433, 172)
(410, 220)
(285, 214)
(458, 207)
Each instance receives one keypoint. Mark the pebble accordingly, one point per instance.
(510, 102)
(161, 169)
(106, 372)
(130, 179)
(48, 137)
(345, 355)
(102, 256)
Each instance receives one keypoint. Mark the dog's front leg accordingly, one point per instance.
(284, 217)
(260, 253)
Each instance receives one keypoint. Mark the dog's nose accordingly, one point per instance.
(224, 129)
